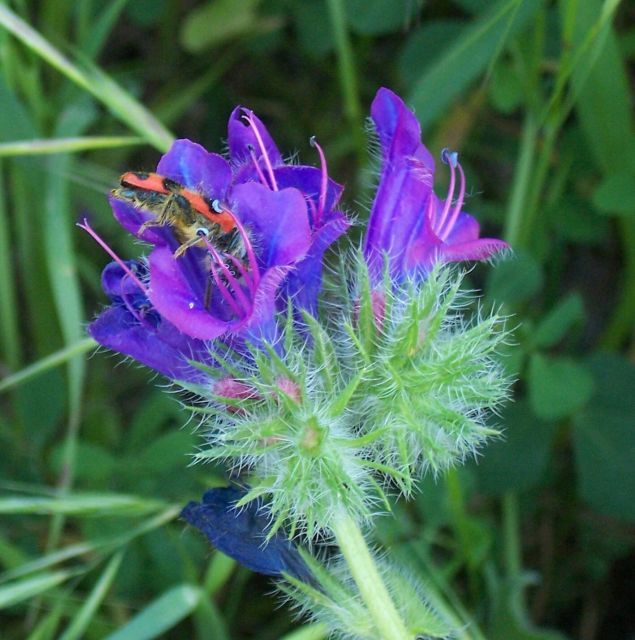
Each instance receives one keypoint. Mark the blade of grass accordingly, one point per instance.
(46, 628)
(22, 590)
(82, 504)
(64, 282)
(92, 546)
(479, 46)
(161, 614)
(84, 616)
(54, 360)
(209, 622)
(8, 308)
(91, 79)
(97, 28)
(66, 145)
(347, 75)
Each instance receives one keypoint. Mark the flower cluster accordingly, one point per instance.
(317, 393)
(164, 311)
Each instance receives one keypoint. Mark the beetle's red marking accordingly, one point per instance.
(154, 182)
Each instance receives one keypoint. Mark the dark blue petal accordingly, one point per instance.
(241, 533)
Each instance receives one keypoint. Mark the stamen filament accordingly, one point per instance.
(438, 228)
(231, 280)
(249, 250)
(102, 243)
(323, 183)
(263, 150)
(229, 299)
(240, 267)
(261, 175)
(457, 206)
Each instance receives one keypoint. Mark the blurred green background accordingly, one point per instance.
(532, 541)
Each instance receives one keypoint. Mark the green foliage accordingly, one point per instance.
(603, 441)
(537, 98)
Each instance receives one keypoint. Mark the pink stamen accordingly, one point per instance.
(263, 150)
(323, 183)
(126, 269)
(229, 276)
(240, 267)
(224, 292)
(457, 206)
(439, 227)
(261, 175)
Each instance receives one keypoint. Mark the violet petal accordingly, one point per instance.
(241, 138)
(405, 183)
(305, 281)
(166, 350)
(191, 165)
(278, 221)
(180, 299)
(309, 181)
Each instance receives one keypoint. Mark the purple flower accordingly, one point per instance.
(132, 326)
(408, 223)
(241, 532)
(286, 217)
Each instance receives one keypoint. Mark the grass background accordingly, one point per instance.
(533, 542)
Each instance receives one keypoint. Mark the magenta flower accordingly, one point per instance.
(408, 223)
(287, 217)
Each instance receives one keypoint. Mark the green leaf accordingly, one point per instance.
(216, 22)
(161, 614)
(469, 56)
(16, 592)
(313, 28)
(604, 439)
(515, 280)
(435, 38)
(510, 619)
(604, 105)
(518, 460)
(553, 327)
(558, 387)
(616, 194)
(505, 89)
(375, 17)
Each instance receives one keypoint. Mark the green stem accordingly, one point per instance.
(371, 587)
(347, 74)
(621, 324)
(510, 531)
(515, 212)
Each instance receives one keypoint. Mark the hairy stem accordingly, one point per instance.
(366, 575)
